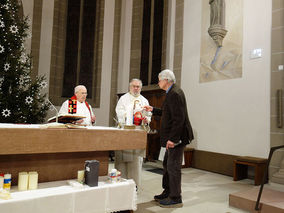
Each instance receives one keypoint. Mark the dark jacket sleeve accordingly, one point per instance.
(176, 108)
(157, 111)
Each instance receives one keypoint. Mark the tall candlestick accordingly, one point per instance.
(33, 180)
(23, 181)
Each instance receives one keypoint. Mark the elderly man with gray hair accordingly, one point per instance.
(78, 105)
(175, 134)
(129, 162)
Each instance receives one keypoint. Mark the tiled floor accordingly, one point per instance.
(202, 192)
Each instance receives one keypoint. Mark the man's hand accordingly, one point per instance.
(93, 119)
(170, 144)
(148, 108)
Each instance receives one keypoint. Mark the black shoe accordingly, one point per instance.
(170, 203)
(160, 197)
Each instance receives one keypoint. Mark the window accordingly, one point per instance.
(151, 43)
(79, 48)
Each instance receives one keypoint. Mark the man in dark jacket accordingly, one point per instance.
(176, 133)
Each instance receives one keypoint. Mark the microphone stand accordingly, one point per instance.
(56, 118)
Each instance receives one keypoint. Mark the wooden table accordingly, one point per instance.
(57, 154)
(241, 165)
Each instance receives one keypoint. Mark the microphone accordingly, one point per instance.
(53, 108)
(118, 123)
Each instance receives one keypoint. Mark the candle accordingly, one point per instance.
(129, 115)
(33, 180)
(23, 180)
(80, 176)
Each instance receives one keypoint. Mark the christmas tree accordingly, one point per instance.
(21, 100)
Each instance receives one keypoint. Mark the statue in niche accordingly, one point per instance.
(217, 21)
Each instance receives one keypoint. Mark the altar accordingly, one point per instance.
(56, 153)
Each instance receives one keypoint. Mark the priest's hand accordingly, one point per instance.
(170, 144)
(148, 108)
(79, 121)
(145, 121)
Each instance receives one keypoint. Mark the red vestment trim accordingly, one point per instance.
(72, 105)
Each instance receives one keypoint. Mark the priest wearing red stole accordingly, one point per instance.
(77, 105)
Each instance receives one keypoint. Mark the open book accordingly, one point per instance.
(69, 118)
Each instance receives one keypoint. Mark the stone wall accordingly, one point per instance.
(277, 83)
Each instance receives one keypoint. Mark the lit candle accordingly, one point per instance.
(80, 176)
(33, 180)
(23, 181)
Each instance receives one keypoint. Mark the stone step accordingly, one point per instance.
(271, 201)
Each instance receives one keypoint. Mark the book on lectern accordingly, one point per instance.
(69, 118)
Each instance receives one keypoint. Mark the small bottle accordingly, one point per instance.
(113, 175)
(118, 176)
(1, 180)
(7, 182)
(80, 176)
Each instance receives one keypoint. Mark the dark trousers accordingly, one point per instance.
(172, 171)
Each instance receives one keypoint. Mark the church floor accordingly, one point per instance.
(202, 191)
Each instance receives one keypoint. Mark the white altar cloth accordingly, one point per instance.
(59, 197)
(42, 126)
(39, 126)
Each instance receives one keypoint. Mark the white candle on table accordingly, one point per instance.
(33, 180)
(129, 115)
(23, 181)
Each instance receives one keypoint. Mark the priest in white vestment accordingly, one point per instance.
(77, 105)
(129, 162)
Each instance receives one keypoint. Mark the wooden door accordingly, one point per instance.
(156, 99)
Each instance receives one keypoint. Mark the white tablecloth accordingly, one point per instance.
(59, 197)
(42, 126)
(49, 125)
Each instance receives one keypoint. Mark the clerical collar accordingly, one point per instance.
(134, 95)
(169, 88)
